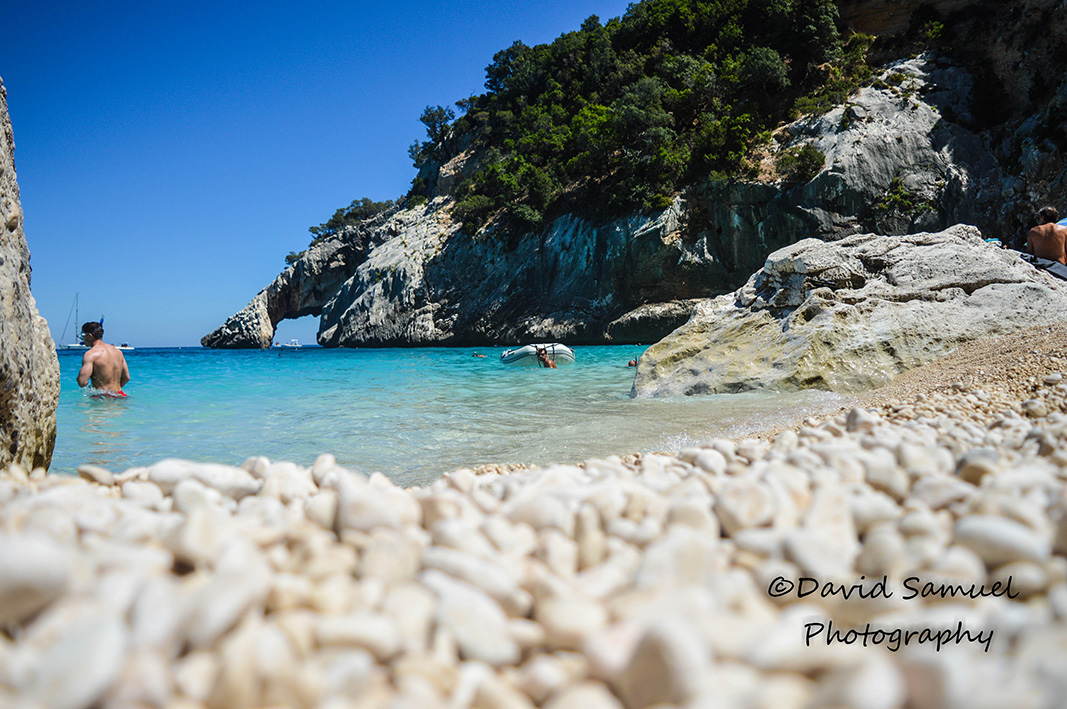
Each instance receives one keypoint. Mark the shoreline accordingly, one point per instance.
(1004, 371)
(628, 581)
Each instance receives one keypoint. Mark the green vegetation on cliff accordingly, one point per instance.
(618, 116)
(360, 210)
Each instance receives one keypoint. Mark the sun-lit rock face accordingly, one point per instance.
(852, 314)
(29, 369)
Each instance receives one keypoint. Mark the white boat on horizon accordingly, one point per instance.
(79, 345)
(293, 343)
(526, 356)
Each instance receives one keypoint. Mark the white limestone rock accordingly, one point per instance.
(230, 481)
(82, 664)
(34, 571)
(999, 540)
(666, 667)
(29, 368)
(851, 314)
(478, 622)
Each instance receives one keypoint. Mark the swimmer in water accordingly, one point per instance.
(102, 364)
(543, 360)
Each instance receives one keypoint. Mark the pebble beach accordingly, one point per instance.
(909, 551)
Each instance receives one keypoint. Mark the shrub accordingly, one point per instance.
(763, 69)
(523, 218)
(359, 210)
(899, 200)
(800, 164)
(473, 211)
(931, 31)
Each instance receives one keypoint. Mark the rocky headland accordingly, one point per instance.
(967, 134)
(415, 278)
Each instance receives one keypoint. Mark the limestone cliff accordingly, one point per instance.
(1019, 95)
(579, 282)
(416, 278)
(29, 369)
(852, 314)
(933, 142)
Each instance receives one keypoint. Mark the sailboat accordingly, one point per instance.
(80, 345)
(76, 345)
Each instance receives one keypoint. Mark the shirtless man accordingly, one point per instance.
(544, 361)
(1047, 240)
(102, 364)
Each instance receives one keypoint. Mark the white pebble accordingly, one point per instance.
(584, 695)
(34, 571)
(999, 540)
(666, 667)
(743, 503)
(478, 622)
(375, 633)
(96, 474)
(568, 620)
(80, 667)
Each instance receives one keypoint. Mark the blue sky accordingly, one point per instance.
(170, 155)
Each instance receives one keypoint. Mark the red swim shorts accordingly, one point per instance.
(120, 394)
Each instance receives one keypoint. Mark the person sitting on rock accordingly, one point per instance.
(1048, 238)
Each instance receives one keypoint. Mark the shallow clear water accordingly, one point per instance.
(410, 413)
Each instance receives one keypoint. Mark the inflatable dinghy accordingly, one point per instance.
(526, 356)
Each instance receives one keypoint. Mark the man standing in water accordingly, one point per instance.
(102, 364)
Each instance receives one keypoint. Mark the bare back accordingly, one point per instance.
(1047, 241)
(105, 366)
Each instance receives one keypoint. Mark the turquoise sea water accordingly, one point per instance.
(411, 413)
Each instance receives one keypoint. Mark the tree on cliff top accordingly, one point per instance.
(359, 210)
(436, 119)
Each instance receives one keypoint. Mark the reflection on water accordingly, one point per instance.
(100, 418)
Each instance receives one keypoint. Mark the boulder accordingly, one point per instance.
(29, 368)
(852, 314)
